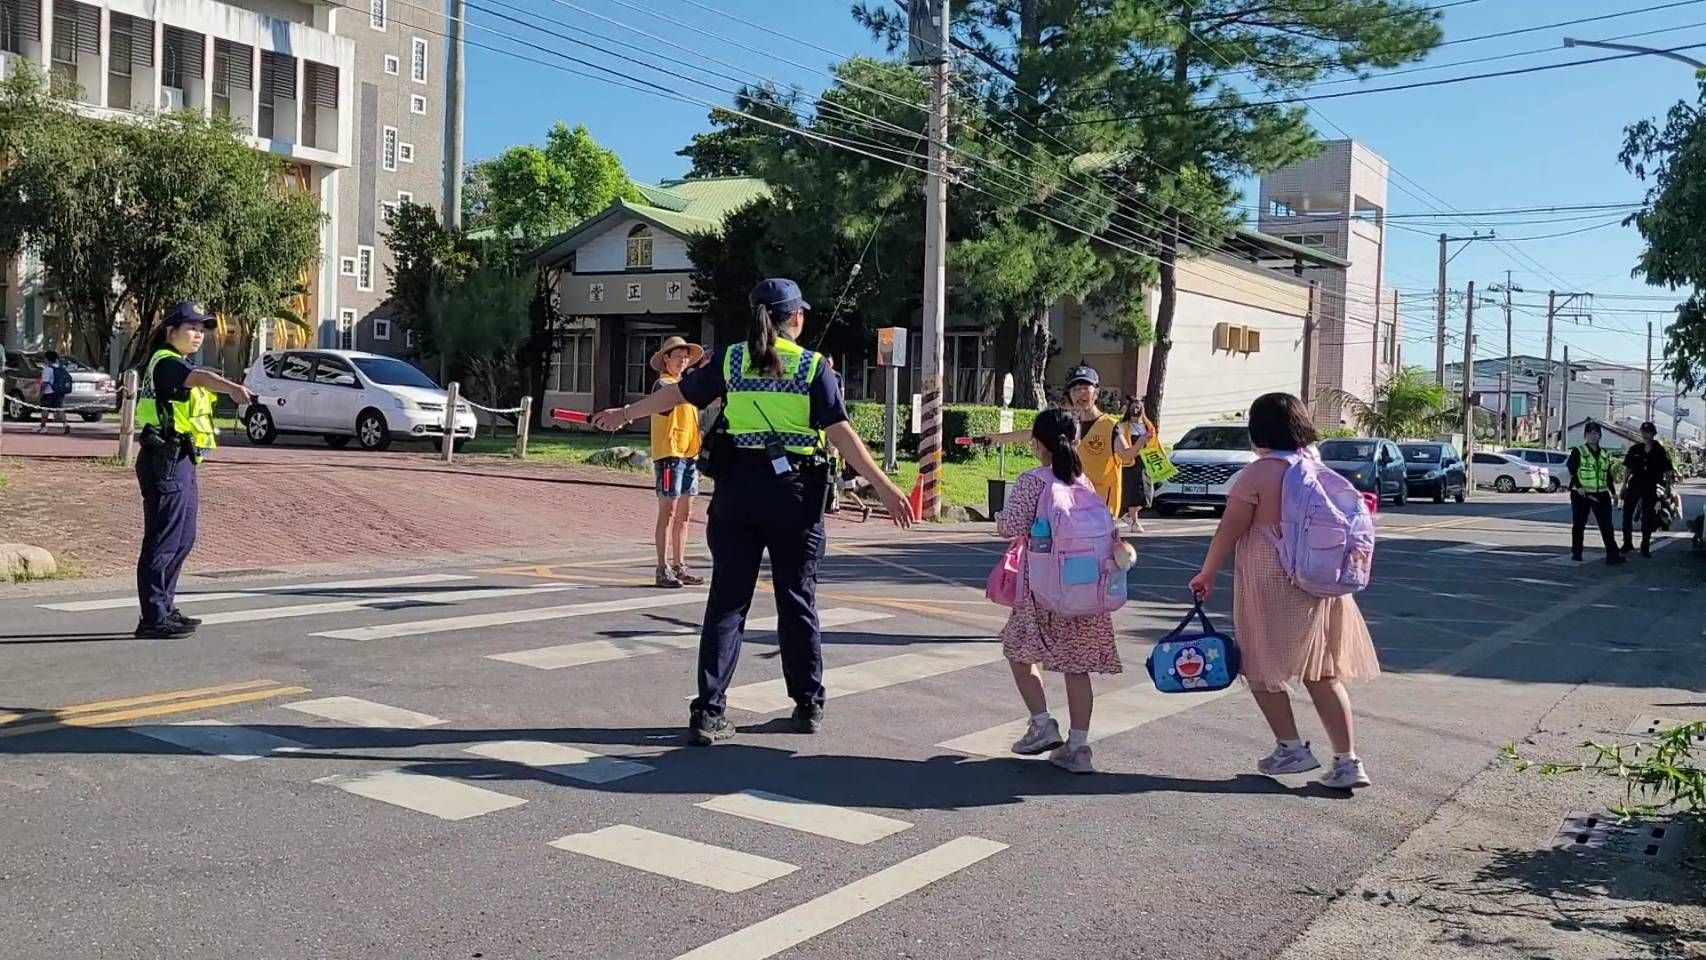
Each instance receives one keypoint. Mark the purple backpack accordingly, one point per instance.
(1326, 531)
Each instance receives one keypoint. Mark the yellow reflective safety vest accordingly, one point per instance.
(191, 418)
(1593, 471)
(758, 405)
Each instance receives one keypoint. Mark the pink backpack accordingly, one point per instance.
(1326, 530)
(1077, 576)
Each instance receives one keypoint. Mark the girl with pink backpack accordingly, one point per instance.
(1068, 583)
(1303, 543)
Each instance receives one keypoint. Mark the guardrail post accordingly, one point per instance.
(450, 404)
(127, 419)
(522, 427)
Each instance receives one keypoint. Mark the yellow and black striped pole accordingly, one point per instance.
(930, 35)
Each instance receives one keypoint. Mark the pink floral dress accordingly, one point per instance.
(1035, 635)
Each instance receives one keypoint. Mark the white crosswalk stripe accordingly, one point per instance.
(1116, 712)
(415, 628)
(719, 868)
(443, 598)
(561, 760)
(120, 603)
(436, 796)
(218, 738)
(622, 648)
(837, 823)
(364, 713)
(771, 696)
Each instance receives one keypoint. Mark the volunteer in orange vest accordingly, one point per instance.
(675, 465)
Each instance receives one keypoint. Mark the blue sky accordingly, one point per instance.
(1544, 139)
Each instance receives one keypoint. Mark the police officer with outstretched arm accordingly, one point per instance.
(781, 402)
(1592, 489)
(174, 409)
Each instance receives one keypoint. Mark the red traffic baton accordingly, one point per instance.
(964, 441)
(568, 416)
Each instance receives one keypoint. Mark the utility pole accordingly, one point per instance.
(928, 46)
(1439, 333)
(1468, 388)
(1507, 424)
(451, 215)
(1310, 347)
(1546, 380)
(1675, 398)
(1564, 406)
(1647, 379)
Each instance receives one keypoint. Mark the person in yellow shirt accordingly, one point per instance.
(675, 465)
(1103, 448)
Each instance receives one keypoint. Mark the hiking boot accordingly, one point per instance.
(1072, 759)
(169, 630)
(685, 577)
(808, 718)
(1347, 774)
(1287, 760)
(704, 729)
(667, 579)
(1039, 738)
(178, 616)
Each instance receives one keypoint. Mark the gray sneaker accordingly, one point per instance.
(1345, 775)
(1288, 760)
(1072, 760)
(1039, 738)
(667, 579)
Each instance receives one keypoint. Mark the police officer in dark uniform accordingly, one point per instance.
(174, 409)
(781, 404)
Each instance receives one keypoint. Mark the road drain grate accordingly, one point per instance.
(1607, 834)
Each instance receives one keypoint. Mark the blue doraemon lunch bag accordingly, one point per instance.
(1186, 661)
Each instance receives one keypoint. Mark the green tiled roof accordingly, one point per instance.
(685, 207)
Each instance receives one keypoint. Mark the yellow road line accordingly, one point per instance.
(1466, 521)
(958, 616)
(91, 720)
(100, 705)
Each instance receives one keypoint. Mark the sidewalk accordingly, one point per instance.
(1480, 880)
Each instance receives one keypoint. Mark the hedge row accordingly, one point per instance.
(958, 420)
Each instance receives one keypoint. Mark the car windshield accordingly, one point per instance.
(393, 373)
(1215, 438)
(1420, 453)
(1347, 450)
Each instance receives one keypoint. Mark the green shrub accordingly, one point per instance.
(867, 419)
(972, 420)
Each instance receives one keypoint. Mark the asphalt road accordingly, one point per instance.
(485, 760)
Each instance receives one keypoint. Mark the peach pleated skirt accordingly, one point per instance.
(1288, 635)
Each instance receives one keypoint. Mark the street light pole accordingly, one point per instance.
(1631, 48)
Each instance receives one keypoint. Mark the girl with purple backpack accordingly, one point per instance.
(1285, 632)
(1037, 638)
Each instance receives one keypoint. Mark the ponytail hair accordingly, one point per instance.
(1057, 431)
(761, 343)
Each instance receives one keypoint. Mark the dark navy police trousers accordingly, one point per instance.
(169, 502)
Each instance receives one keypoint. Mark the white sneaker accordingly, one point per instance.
(1039, 738)
(1287, 760)
(1345, 775)
(1072, 760)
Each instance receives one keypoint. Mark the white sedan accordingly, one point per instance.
(1507, 474)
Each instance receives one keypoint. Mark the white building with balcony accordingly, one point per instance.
(347, 95)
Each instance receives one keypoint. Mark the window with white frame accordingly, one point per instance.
(404, 196)
(417, 104)
(377, 13)
(640, 243)
(388, 150)
(393, 66)
(572, 373)
(409, 339)
(418, 61)
(640, 375)
(346, 329)
(346, 266)
(381, 328)
(406, 152)
(387, 212)
(364, 268)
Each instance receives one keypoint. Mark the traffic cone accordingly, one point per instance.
(917, 497)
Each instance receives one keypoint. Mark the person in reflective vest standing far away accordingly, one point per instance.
(782, 408)
(174, 411)
(1592, 488)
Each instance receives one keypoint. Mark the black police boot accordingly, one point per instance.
(178, 616)
(704, 729)
(808, 718)
(1616, 559)
(168, 630)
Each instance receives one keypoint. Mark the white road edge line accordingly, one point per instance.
(560, 760)
(415, 628)
(1117, 712)
(218, 739)
(364, 713)
(795, 926)
(422, 793)
(819, 819)
(771, 696)
(603, 650)
(118, 603)
(442, 598)
(678, 858)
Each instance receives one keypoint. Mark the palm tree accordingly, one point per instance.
(1406, 404)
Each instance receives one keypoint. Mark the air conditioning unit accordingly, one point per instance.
(171, 98)
(1223, 336)
(1252, 340)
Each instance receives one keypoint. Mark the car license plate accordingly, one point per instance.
(1193, 488)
